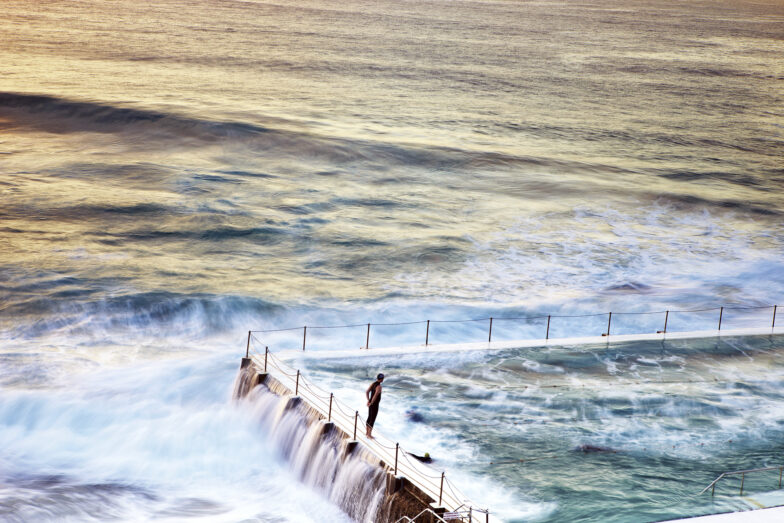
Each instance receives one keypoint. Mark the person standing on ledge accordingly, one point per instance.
(373, 394)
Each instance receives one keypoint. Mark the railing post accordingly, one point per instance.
(441, 491)
(304, 335)
(742, 479)
(609, 320)
(666, 317)
(721, 313)
(490, 334)
(427, 333)
(356, 416)
(367, 339)
(547, 336)
(773, 325)
(247, 347)
(397, 447)
(713, 490)
(487, 516)
(266, 352)
(296, 387)
(329, 416)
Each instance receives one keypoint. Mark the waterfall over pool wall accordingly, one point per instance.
(323, 456)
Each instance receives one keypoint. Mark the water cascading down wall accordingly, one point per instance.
(326, 458)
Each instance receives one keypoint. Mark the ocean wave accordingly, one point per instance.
(260, 235)
(51, 497)
(688, 201)
(82, 212)
(61, 115)
(59, 311)
(162, 129)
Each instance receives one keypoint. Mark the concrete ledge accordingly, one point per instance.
(292, 402)
(395, 483)
(327, 428)
(765, 515)
(351, 446)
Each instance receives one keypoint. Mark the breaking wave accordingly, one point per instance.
(158, 313)
(164, 129)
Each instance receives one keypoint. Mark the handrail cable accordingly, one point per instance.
(278, 330)
(510, 318)
(458, 321)
(401, 323)
(337, 326)
(698, 310)
(638, 313)
(521, 318)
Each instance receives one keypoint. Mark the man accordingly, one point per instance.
(373, 394)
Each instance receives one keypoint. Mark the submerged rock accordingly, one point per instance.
(630, 287)
(594, 448)
(415, 416)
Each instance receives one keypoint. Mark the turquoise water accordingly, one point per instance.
(624, 432)
(175, 174)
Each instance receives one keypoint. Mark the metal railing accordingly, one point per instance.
(398, 461)
(446, 517)
(547, 321)
(426, 512)
(742, 474)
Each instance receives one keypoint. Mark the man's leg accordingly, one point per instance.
(372, 413)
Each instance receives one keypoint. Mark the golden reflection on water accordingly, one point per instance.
(366, 70)
(624, 113)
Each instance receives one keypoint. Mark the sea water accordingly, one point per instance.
(175, 174)
(610, 432)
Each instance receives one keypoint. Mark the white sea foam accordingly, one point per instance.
(181, 439)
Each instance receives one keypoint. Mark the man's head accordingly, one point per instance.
(380, 377)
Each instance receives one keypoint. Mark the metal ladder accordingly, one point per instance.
(742, 474)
